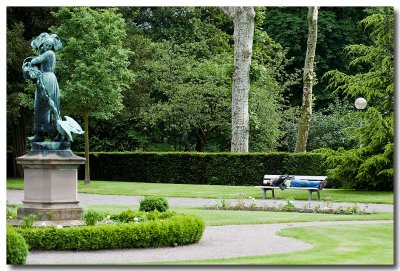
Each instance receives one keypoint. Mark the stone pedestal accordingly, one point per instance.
(50, 183)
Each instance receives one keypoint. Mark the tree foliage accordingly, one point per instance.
(181, 96)
(191, 98)
(93, 64)
(370, 165)
(337, 27)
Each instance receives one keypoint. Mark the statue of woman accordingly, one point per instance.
(47, 94)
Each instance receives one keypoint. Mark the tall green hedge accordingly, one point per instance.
(200, 168)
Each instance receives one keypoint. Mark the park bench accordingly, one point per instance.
(310, 190)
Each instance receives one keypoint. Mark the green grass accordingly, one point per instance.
(332, 245)
(226, 217)
(215, 191)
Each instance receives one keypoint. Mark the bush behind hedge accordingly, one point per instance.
(200, 168)
(151, 203)
(177, 230)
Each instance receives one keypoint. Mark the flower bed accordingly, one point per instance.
(289, 206)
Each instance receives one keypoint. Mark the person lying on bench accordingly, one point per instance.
(288, 182)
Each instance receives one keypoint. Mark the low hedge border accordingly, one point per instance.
(176, 230)
(200, 168)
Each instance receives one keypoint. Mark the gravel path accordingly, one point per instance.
(217, 242)
(16, 196)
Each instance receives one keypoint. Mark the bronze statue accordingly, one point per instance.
(47, 118)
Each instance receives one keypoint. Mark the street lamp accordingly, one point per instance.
(360, 103)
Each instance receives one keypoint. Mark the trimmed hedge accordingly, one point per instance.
(176, 230)
(17, 249)
(200, 168)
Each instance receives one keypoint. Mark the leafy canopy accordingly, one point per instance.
(93, 63)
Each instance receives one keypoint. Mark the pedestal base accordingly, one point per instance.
(50, 182)
(52, 214)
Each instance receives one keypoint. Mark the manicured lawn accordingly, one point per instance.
(332, 245)
(215, 191)
(226, 217)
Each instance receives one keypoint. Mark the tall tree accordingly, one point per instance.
(191, 97)
(93, 64)
(243, 20)
(308, 80)
(370, 166)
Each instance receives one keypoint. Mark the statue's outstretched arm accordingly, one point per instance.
(41, 58)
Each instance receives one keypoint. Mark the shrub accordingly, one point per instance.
(91, 217)
(178, 229)
(151, 203)
(27, 222)
(17, 249)
(12, 211)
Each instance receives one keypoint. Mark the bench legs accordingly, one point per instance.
(310, 194)
(273, 193)
(264, 193)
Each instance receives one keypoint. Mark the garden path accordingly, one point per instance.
(217, 242)
(16, 196)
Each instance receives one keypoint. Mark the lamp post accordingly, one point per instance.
(360, 104)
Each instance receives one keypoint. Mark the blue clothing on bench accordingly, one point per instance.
(304, 183)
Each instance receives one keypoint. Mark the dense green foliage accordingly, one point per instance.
(151, 203)
(177, 230)
(182, 61)
(201, 168)
(327, 128)
(180, 98)
(93, 61)
(17, 249)
(370, 166)
(337, 28)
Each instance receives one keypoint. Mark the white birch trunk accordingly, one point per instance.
(243, 19)
(308, 76)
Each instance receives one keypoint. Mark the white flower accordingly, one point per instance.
(43, 224)
(59, 227)
(136, 219)
(291, 202)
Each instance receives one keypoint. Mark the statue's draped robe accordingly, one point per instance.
(45, 119)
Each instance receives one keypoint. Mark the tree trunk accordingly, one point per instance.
(19, 144)
(243, 19)
(308, 76)
(87, 167)
(201, 140)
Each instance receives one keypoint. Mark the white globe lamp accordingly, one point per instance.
(360, 103)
